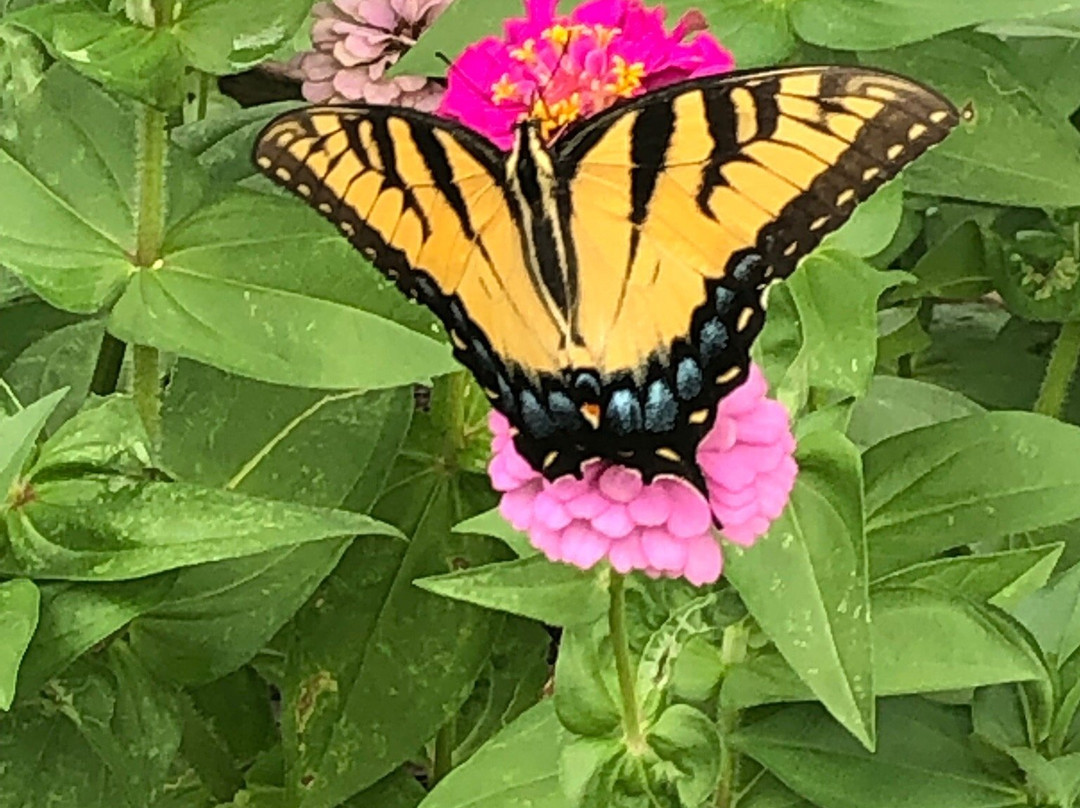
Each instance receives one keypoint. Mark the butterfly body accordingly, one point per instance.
(605, 288)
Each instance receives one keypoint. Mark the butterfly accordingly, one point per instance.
(605, 288)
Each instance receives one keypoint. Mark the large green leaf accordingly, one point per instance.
(894, 405)
(350, 716)
(67, 217)
(324, 449)
(1053, 616)
(227, 36)
(924, 641)
(518, 768)
(824, 336)
(19, 602)
(923, 759)
(77, 616)
(980, 161)
(805, 583)
(966, 480)
(230, 292)
(143, 63)
(757, 34)
(110, 528)
(863, 24)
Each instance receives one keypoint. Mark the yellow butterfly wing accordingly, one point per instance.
(423, 198)
(719, 185)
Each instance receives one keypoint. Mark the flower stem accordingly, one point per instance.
(635, 739)
(204, 96)
(146, 387)
(444, 751)
(732, 652)
(1060, 371)
(153, 152)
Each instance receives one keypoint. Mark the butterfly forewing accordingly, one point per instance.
(423, 199)
(677, 209)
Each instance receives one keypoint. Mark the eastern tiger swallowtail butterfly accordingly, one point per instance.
(605, 289)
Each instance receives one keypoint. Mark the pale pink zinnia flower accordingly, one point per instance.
(355, 43)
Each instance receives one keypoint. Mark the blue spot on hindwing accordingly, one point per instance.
(535, 417)
(712, 340)
(688, 379)
(661, 409)
(746, 266)
(623, 414)
(725, 299)
(564, 411)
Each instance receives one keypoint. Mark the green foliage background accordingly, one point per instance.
(239, 566)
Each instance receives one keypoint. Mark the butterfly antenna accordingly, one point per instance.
(442, 57)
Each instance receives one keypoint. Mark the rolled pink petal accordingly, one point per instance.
(704, 561)
(614, 522)
(620, 484)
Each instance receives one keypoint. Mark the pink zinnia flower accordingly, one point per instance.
(557, 69)
(356, 42)
(664, 527)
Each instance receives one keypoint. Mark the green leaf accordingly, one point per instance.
(110, 528)
(491, 523)
(67, 222)
(225, 36)
(805, 583)
(656, 667)
(534, 587)
(518, 768)
(64, 358)
(343, 686)
(954, 267)
(980, 160)
(938, 641)
(222, 145)
(109, 435)
(825, 336)
(870, 230)
(17, 436)
(76, 617)
(19, 602)
(924, 640)
(862, 24)
(923, 759)
(323, 449)
(511, 682)
(1051, 66)
(587, 696)
(1053, 615)
(893, 406)
(998, 578)
(303, 329)
(966, 480)
(768, 792)
(758, 34)
(143, 63)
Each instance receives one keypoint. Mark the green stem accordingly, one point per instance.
(204, 96)
(109, 362)
(445, 742)
(146, 385)
(631, 715)
(1060, 371)
(732, 653)
(153, 152)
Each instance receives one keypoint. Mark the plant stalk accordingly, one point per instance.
(620, 641)
(1060, 371)
(146, 388)
(445, 742)
(732, 653)
(109, 362)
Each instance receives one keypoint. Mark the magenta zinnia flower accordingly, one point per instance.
(558, 69)
(356, 42)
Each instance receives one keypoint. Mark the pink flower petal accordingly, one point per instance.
(583, 547)
(704, 561)
(614, 522)
(626, 554)
(664, 551)
(651, 507)
(620, 483)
